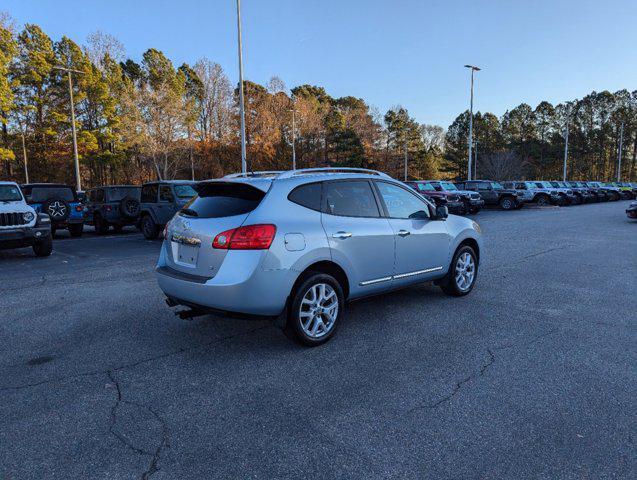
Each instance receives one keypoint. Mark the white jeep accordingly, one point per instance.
(20, 225)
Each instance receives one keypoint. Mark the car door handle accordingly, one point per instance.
(342, 235)
(404, 233)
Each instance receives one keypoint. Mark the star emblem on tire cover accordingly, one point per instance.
(56, 209)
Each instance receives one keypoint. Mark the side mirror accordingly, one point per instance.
(442, 212)
(419, 215)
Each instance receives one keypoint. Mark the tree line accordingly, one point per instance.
(148, 119)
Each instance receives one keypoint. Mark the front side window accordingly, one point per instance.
(350, 199)
(10, 193)
(165, 194)
(400, 203)
(496, 186)
(484, 186)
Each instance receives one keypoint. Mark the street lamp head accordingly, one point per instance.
(473, 67)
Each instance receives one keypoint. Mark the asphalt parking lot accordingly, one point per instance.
(533, 375)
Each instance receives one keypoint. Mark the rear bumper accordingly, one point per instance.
(23, 237)
(455, 207)
(241, 286)
(69, 221)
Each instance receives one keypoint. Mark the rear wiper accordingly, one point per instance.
(189, 212)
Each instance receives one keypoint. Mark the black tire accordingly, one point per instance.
(53, 231)
(507, 203)
(76, 229)
(118, 228)
(43, 248)
(129, 207)
(149, 228)
(614, 196)
(293, 326)
(543, 200)
(448, 284)
(56, 208)
(474, 210)
(101, 225)
(564, 200)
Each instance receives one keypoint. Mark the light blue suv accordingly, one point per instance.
(302, 242)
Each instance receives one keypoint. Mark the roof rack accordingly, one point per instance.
(266, 173)
(343, 170)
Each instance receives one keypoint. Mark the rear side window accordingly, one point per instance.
(217, 200)
(350, 199)
(149, 193)
(308, 196)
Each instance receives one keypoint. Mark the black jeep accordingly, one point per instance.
(112, 206)
(60, 202)
(493, 193)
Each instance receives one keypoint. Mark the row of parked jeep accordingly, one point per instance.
(469, 197)
(31, 214)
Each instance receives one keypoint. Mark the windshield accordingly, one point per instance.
(10, 193)
(184, 191)
(422, 186)
(448, 186)
(496, 186)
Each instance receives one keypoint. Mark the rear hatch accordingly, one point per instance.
(219, 206)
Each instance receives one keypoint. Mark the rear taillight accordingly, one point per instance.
(250, 237)
(79, 208)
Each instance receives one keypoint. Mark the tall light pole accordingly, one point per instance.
(78, 181)
(293, 135)
(406, 157)
(475, 163)
(565, 151)
(473, 69)
(619, 154)
(241, 104)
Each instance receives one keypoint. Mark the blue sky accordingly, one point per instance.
(388, 52)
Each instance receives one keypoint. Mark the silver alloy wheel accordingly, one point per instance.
(507, 204)
(318, 310)
(465, 271)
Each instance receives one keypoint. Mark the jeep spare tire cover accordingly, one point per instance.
(129, 207)
(57, 208)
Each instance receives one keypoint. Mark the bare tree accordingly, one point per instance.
(215, 122)
(100, 44)
(502, 166)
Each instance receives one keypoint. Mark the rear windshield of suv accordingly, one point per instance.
(10, 193)
(41, 194)
(217, 200)
(118, 193)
